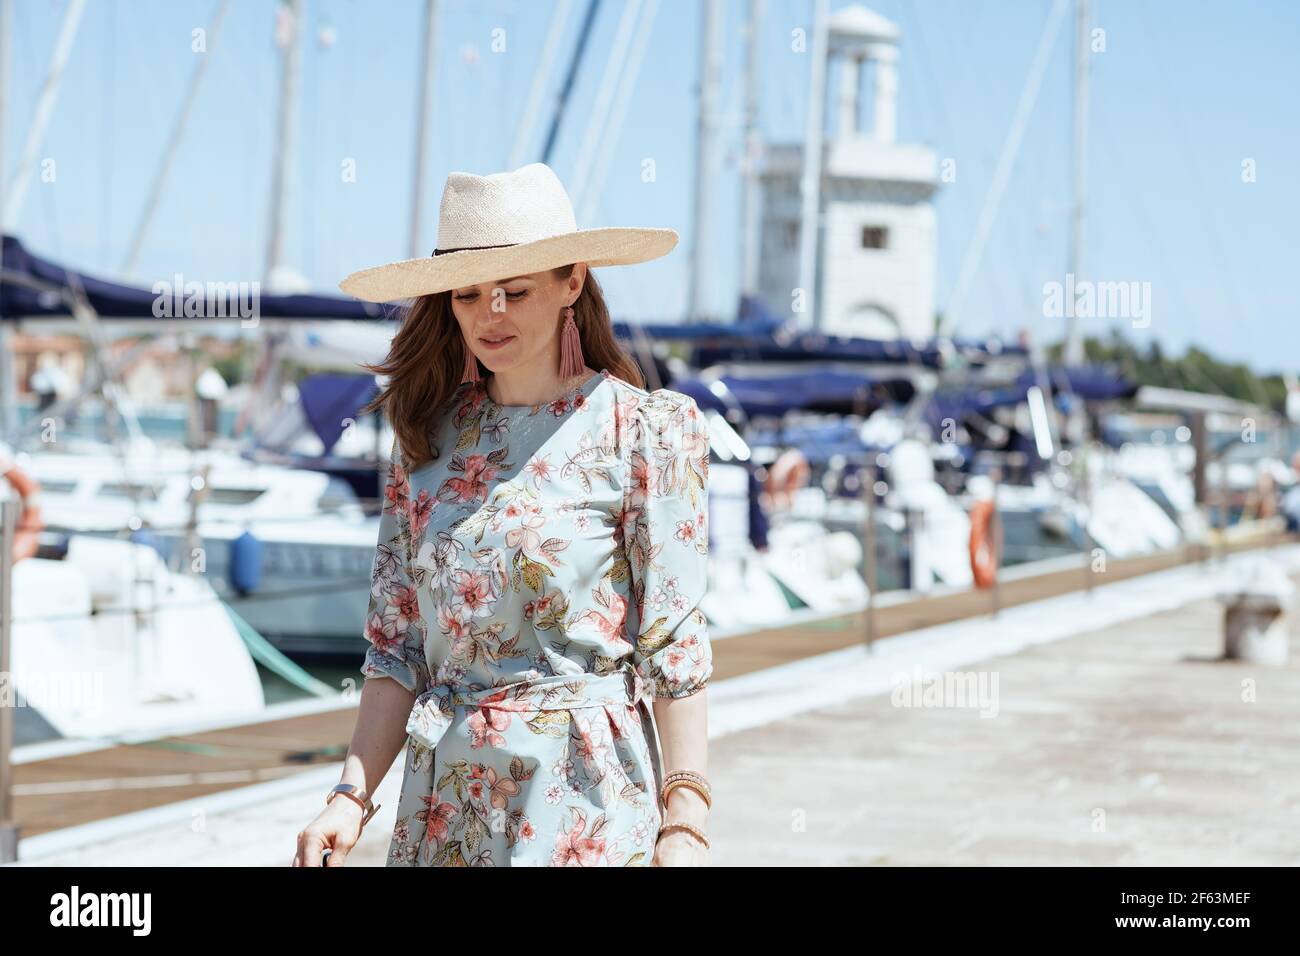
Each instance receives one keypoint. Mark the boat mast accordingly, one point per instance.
(811, 180)
(706, 122)
(44, 110)
(8, 368)
(428, 74)
(1073, 338)
(292, 11)
(263, 397)
(753, 145)
(11, 205)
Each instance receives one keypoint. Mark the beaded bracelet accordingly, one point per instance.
(698, 833)
(690, 779)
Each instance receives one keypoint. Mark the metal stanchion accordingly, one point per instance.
(1085, 497)
(8, 826)
(909, 544)
(1200, 491)
(1225, 502)
(996, 543)
(869, 549)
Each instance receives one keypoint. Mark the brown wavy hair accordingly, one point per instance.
(427, 358)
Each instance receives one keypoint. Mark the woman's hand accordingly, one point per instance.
(337, 828)
(680, 848)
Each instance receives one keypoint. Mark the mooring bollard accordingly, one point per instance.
(1255, 615)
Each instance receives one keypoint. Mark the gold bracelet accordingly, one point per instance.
(687, 778)
(357, 796)
(688, 775)
(696, 831)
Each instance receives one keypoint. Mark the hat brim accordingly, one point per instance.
(408, 278)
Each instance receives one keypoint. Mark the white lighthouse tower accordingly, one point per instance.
(870, 271)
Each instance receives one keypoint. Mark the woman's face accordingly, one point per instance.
(514, 323)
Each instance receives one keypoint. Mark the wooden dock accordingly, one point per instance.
(78, 788)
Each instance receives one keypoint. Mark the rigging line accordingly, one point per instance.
(1224, 270)
(939, 99)
(110, 97)
(44, 110)
(134, 478)
(1136, 205)
(215, 599)
(599, 112)
(1006, 161)
(533, 104)
(174, 139)
(964, 197)
(1017, 237)
(626, 84)
(566, 88)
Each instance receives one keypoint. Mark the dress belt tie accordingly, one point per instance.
(435, 709)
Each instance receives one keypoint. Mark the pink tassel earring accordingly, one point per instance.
(471, 365)
(571, 361)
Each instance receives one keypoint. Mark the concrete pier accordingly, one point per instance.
(1128, 745)
(1099, 729)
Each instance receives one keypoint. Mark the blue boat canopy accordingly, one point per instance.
(828, 390)
(34, 287)
(329, 399)
(1091, 383)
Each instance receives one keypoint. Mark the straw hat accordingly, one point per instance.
(503, 225)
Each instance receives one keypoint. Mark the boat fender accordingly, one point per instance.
(246, 563)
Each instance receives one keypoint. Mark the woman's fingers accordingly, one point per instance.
(311, 843)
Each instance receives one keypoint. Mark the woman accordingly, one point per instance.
(541, 558)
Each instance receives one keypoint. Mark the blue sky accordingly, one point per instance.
(1184, 92)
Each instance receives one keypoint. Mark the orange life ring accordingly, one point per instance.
(27, 534)
(785, 476)
(983, 553)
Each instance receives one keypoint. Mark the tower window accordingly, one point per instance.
(875, 237)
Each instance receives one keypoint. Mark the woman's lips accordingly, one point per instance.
(498, 344)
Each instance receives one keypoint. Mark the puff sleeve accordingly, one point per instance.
(665, 537)
(394, 625)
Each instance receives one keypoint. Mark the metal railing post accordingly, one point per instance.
(8, 826)
(1086, 501)
(869, 549)
(996, 543)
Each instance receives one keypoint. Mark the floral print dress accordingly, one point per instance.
(536, 585)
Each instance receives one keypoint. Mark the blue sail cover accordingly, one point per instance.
(329, 399)
(1092, 383)
(113, 300)
(36, 287)
(759, 336)
(833, 391)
